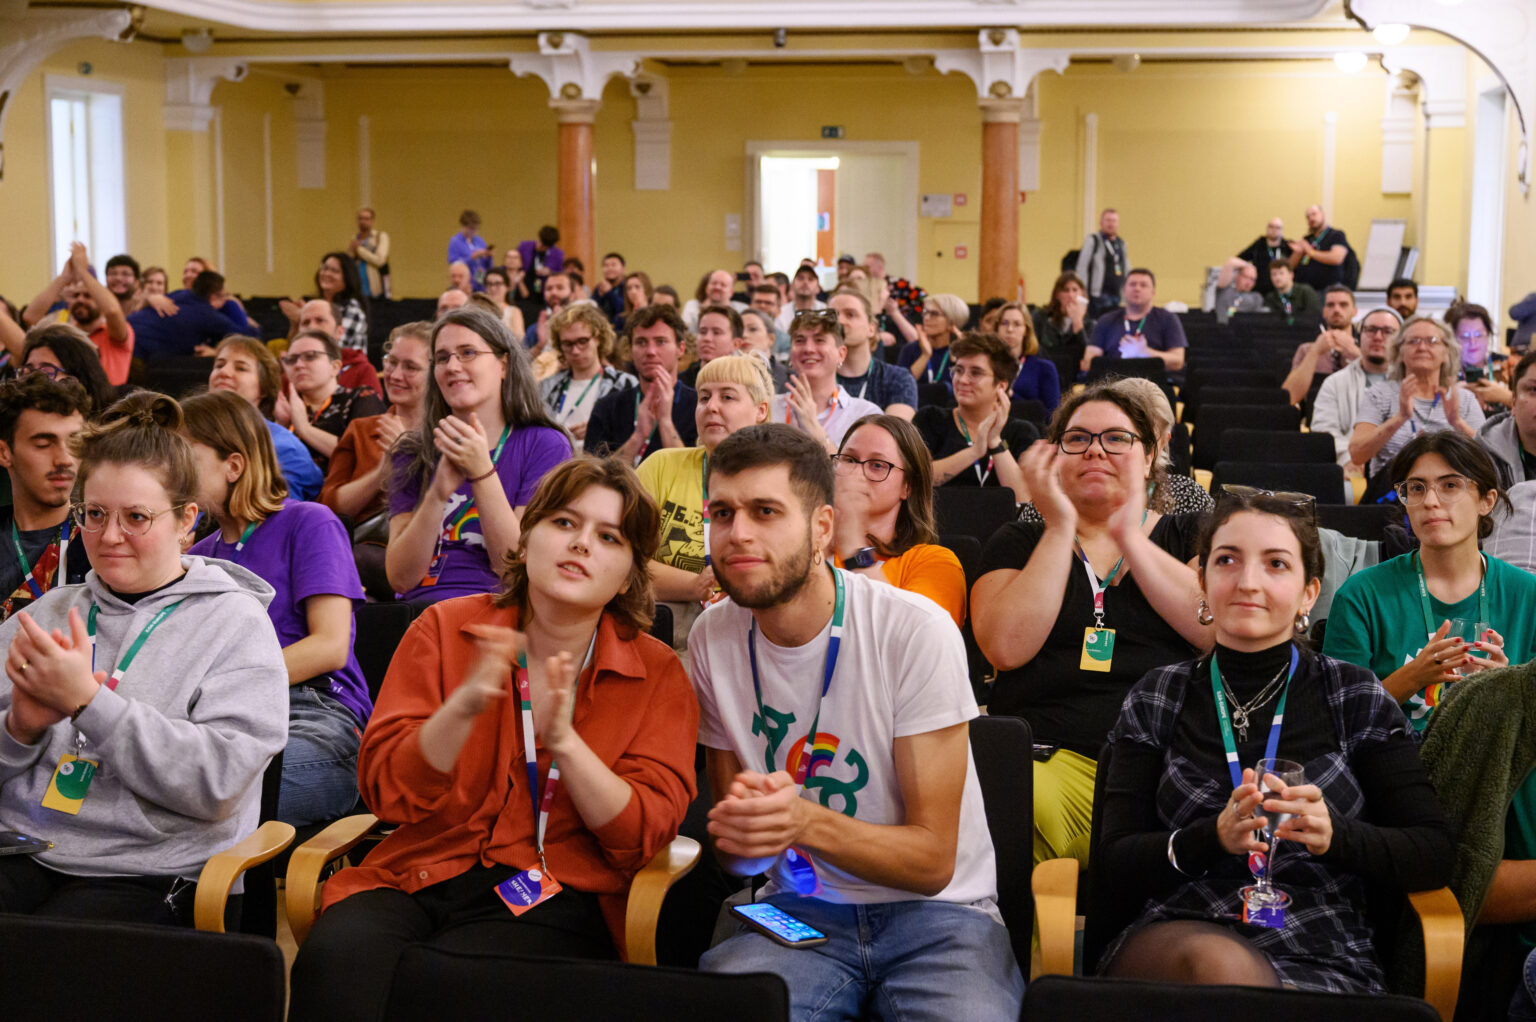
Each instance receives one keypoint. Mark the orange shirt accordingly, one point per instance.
(357, 454)
(115, 357)
(635, 708)
(932, 571)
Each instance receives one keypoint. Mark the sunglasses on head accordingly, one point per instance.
(1244, 494)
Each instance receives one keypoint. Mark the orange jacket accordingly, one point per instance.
(636, 709)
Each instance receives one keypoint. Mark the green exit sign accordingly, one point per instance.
(831, 131)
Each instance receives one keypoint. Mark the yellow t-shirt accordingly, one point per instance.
(674, 477)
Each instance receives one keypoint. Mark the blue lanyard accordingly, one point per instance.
(1225, 720)
(833, 643)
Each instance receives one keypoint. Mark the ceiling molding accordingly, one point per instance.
(670, 15)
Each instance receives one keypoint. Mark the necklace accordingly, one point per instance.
(1240, 712)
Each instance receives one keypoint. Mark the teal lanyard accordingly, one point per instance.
(937, 375)
(1430, 627)
(1272, 744)
(245, 535)
(566, 385)
(35, 584)
(810, 750)
(1133, 329)
(133, 649)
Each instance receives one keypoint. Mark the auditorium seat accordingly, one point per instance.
(977, 511)
(1212, 420)
(176, 375)
(1153, 369)
(1363, 521)
(1029, 410)
(1003, 750)
(937, 395)
(1323, 482)
(1276, 447)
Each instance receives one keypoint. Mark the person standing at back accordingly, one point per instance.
(371, 250)
(1103, 263)
(469, 248)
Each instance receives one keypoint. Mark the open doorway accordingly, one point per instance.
(822, 199)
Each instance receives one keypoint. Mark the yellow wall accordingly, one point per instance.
(1519, 235)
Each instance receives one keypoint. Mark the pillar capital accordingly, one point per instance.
(999, 66)
(189, 83)
(575, 111)
(1001, 111)
(570, 68)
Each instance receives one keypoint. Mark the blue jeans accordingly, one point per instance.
(1522, 1007)
(906, 960)
(320, 760)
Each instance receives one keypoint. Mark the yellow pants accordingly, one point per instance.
(1064, 806)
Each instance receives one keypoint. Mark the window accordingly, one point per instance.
(85, 164)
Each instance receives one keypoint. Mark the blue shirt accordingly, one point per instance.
(882, 383)
(462, 250)
(196, 322)
(1160, 328)
(297, 464)
(1038, 381)
(939, 363)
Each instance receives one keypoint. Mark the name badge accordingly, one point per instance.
(69, 784)
(1098, 649)
(528, 889)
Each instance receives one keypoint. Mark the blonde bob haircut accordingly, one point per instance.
(1450, 363)
(1031, 344)
(589, 316)
(228, 424)
(746, 370)
(269, 375)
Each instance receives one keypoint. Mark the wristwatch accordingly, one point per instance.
(864, 557)
(1002, 445)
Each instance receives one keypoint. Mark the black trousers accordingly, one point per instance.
(345, 967)
(29, 888)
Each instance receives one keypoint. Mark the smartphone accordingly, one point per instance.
(13, 842)
(1044, 752)
(1475, 374)
(780, 925)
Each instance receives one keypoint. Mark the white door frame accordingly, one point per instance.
(1490, 179)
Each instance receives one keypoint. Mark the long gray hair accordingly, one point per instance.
(520, 403)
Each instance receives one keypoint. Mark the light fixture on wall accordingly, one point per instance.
(197, 40)
(1350, 61)
(1390, 34)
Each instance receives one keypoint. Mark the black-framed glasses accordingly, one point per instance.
(1448, 488)
(1303, 501)
(133, 521)
(464, 355)
(572, 343)
(876, 470)
(1390, 328)
(1111, 441)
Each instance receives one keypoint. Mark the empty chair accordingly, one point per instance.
(973, 510)
(1276, 447)
(1202, 384)
(1147, 368)
(1003, 751)
(1214, 419)
(379, 629)
(1066, 360)
(1324, 482)
(1029, 410)
(177, 375)
(1363, 521)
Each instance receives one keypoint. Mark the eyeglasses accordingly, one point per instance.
(1413, 491)
(1414, 342)
(303, 357)
(1305, 501)
(1111, 441)
(875, 470)
(1472, 335)
(464, 355)
(133, 521)
(53, 372)
(1384, 330)
(571, 343)
(392, 365)
(971, 373)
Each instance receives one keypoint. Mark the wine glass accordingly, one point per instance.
(1263, 904)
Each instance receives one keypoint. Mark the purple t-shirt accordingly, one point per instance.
(530, 453)
(302, 551)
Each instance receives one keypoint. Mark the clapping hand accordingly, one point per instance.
(1041, 466)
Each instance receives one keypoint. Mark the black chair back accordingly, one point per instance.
(431, 983)
(1070, 997)
(1003, 750)
(1276, 447)
(967, 549)
(73, 968)
(1153, 369)
(1212, 420)
(937, 395)
(1029, 410)
(176, 375)
(1324, 482)
(973, 510)
(661, 623)
(380, 627)
(1363, 521)
(1066, 360)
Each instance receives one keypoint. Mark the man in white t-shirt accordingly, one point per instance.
(872, 829)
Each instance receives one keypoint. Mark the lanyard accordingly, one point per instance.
(864, 386)
(33, 583)
(245, 536)
(704, 485)
(1416, 421)
(1093, 580)
(315, 415)
(566, 385)
(981, 477)
(1430, 627)
(834, 641)
(937, 375)
(1272, 743)
(133, 650)
(1134, 330)
(531, 749)
(821, 417)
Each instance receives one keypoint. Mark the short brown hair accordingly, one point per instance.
(775, 443)
(731, 316)
(1004, 366)
(227, 423)
(142, 429)
(649, 316)
(37, 393)
(269, 374)
(640, 522)
(332, 346)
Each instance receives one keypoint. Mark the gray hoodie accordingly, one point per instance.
(1500, 439)
(181, 744)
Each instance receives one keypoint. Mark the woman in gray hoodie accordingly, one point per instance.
(142, 706)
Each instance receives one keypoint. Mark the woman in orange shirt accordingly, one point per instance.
(884, 502)
(444, 757)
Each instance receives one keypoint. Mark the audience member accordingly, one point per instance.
(1266, 250)
(337, 283)
(300, 550)
(734, 392)
(844, 266)
(558, 292)
(1235, 290)
(1334, 348)
(469, 248)
(315, 405)
(451, 299)
(93, 309)
(1068, 673)
(12, 335)
(541, 257)
(357, 372)
(862, 374)
(637, 295)
(909, 299)
(1523, 313)
(155, 280)
(986, 317)
(456, 494)
(1140, 329)
(205, 314)
(1403, 297)
(665, 294)
(608, 292)
(759, 336)
(498, 288)
(122, 279)
(1298, 303)
(1420, 395)
(765, 298)
(714, 288)
(977, 443)
(1183, 847)
(583, 342)
(444, 761)
(61, 351)
(369, 249)
(39, 418)
(804, 296)
(719, 333)
(1336, 408)
(245, 366)
(1318, 258)
(1473, 328)
(461, 278)
(1036, 378)
(928, 357)
(639, 419)
(910, 846)
(1510, 439)
(884, 527)
(750, 277)
(1103, 263)
(816, 402)
(1065, 321)
(168, 766)
(194, 266)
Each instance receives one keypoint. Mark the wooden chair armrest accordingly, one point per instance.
(301, 890)
(1054, 883)
(220, 872)
(648, 891)
(1445, 938)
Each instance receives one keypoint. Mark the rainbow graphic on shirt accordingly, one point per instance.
(822, 753)
(462, 523)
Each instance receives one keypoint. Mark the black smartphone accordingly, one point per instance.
(14, 842)
(780, 925)
(1475, 374)
(1044, 752)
